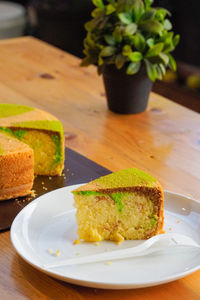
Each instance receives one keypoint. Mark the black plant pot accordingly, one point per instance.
(126, 94)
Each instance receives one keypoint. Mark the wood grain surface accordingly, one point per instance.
(164, 141)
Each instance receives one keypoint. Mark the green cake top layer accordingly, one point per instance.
(15, 120)
(127, 178)
(1, 150)
(51, 125)
(12, 110)
(7, 110)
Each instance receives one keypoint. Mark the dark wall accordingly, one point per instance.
(23, 2)
(63, 25)
(186, 22)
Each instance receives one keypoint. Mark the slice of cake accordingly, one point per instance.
(127, 204)
(38, 129)
(16, 168)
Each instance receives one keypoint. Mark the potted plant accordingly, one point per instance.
(126, 38)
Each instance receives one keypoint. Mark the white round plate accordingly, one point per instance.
(49, 223)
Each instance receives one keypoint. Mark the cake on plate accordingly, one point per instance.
(38, 129)
(16, 168)
(127, 204)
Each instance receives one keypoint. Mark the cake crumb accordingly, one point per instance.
(44, 188)
(57, 253)
(170, 228)
(109, 263)
(119, 242)
(65, 177)
(50, 251)
(33, 193)
(107, 249)
(50, 177)
(97, 244)
(42, 182)
(76, 242)
(179, 221)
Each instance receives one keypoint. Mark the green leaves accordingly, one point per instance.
(97, 12)
(162, 68)
(120, 61)
(138, 9)
(130, 29)
(98, 3)
(126, 50)
(110, 9)
(107, 51)
(100, 61)
(125, 18)
(133, 68)
(161, 14)
(117, 34)
(167, 24)
(167, 38)
(110, 40)
(149, 14)
(86, 61)
(138, 42)
(150, 42)
(164, 58)
(176, 40)
(154, 50)
(148, 3)
(151, 70)
(129, 33)
(135, 56)
(172, 62)
(151, 26)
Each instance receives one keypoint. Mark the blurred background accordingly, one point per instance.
(61, 23)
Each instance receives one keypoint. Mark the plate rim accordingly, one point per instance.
(93, 283)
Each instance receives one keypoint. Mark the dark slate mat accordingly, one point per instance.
(78, 169)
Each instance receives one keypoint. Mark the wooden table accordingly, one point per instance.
(164, 140)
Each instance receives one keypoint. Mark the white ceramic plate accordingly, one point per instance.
(49, 223)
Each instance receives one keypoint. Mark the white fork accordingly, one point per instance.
(154, 244)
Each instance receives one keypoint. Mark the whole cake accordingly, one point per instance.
(127, 204)
(16, 168)
(38, 129)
